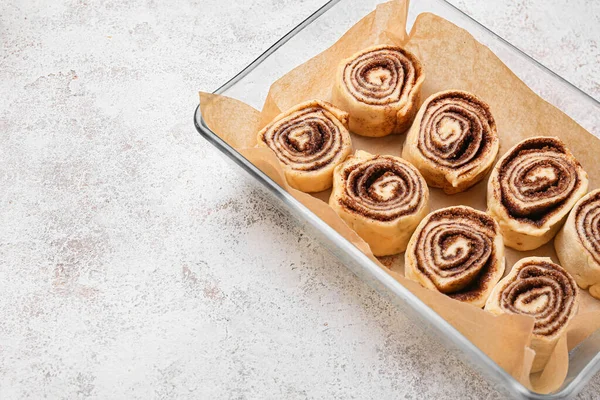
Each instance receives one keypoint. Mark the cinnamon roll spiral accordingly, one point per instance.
(380, 88)
(544, 290)
(531, 190)
(309, 140)
(453, 141)
(578, 243)
(457, 251)
(382, 198)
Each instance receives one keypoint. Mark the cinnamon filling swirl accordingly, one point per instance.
(578, 243)
(537, 178)
(457, 131)
(382, 76)
(382, 198)
(543, 290)
(587, 224)
(457, 250)
(382, 188)
(306, 140)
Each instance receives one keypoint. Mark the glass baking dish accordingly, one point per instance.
(315, 34)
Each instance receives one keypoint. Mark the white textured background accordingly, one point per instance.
(130, 268)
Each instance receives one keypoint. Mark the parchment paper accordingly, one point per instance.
(452, 59)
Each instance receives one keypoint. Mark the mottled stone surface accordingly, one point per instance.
(130, 268)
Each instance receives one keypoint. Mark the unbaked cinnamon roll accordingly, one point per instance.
(543, 290)
(457, 251)
(578, 243)
(382, 198)
(309, 140)
(380, 88)
(453, 141)
(531, 190)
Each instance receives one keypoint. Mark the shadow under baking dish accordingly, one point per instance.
(315, 34)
